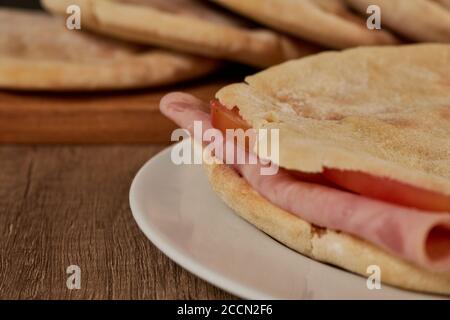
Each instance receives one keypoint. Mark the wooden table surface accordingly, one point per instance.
(68, 205)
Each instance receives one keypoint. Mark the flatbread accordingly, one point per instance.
(421, 20)
(326, 22)
(381, 110)
(37, 52)
(185, 25)
(325, 245)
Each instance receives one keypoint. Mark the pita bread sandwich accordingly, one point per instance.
(38, 52)
(364, 158)
(326, 22)
(191, 26)
(421, 20)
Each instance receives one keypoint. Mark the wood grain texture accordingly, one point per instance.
(69, 205)
(111, 117)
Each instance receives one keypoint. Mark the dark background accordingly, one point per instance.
(21, 3)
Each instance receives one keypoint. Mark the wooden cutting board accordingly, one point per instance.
(126, 117)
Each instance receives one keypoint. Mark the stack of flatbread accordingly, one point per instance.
(144, 43)
(38, 52)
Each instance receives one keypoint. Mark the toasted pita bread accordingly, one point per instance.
(37, 52)
(421, 20)
(380, 110)
(325, 245)
(185, 25)
(327, 22)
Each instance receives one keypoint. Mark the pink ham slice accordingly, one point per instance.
(417, 236)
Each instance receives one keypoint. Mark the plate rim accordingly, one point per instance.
(210, 276)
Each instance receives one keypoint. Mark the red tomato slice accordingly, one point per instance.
(223, 118)
(359, 182)
(389, 190)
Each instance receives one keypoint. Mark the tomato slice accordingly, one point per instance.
(388, 190)
(359, 182)
(223, 118)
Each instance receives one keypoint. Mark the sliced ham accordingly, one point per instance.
(418, 236)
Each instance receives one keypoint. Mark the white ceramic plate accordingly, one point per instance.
(177, 210)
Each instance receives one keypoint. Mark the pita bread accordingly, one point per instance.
(380, 110)
(325, 245)
(185, 25)
(420, 20)
(327, 22)
(37, 52)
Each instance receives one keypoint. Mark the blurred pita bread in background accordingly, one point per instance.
(185, 25)
(420, 20)
(326, 22)
(37, 52)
